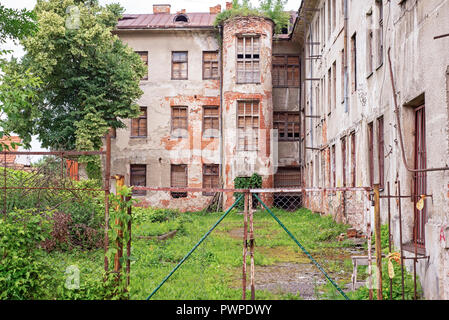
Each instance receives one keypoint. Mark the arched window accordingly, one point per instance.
(181, 18)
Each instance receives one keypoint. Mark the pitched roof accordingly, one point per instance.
(166, 21)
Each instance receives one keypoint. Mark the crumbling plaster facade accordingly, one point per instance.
(420, 65)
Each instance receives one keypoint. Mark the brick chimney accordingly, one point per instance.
(228, 5)
(216, 9)
(161, 8)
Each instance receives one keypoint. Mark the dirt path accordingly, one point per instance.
(294, 273)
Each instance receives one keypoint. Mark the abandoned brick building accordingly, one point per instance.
(313, 107)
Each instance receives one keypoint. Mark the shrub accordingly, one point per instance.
(23, 274)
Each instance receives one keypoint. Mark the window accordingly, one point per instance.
(287, 177)
(334, 14)
(248, 48)
(380, 147)
(138, 177)
(369, 45)
(354, 62)
(371, 153)
(342, 76)
(210, 65)
(211, 177)
(334, 169)
(139, 125)
(181, 18)
(329, 18)
(285, 71)
(287, 124)
(179, 67)
(211, 122)
(380, 33)
(329, 91)
(178, 179)
(179, 123)
(248, 125)
(353, 160)
(144, 56)
(343, 159)
(420, 178)
(334, 85)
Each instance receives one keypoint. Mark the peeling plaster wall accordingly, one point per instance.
(233, 92)
(420, 64)
(159, 149)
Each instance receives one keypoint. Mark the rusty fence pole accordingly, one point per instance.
(370, 272)
(378, 238)
(389, 234)
(400, 238)
(120, 182)
(128, 245)
(251, 248)
(245, 243)
(107, 178)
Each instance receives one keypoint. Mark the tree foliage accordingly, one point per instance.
(273, 9)
(89, 78)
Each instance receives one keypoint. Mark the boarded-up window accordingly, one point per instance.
(211, 121)
(371, 153)
(139, 125)
(353, 160)
(210, 65)
(334, 85)
(334, 167)
(287, 124)
(248, 57)
(179, 65)
(144, 56)
(380, 33)
(248, 125)
(343, 160)
(179, 122)
(354, 62)
(178, 179)
(380, 151)
(211, 177)
(285, 71)
(138, 177)
(287, 177)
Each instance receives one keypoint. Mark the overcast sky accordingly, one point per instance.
(139, 6)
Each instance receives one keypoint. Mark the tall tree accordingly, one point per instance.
(90, 79)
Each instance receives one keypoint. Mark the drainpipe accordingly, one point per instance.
(346, 87)
(220, 53)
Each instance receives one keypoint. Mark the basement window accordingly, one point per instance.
(211, 178)
(178, 179)
(139, 125)
(287, 124)
(138, 177)
(248, 125)
(248, 57)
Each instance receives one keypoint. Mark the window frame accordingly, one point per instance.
(287, 65)
(381, 150)
(286, 125)
(179, 62)
(210, 64)
(244, 60)
(211, 117)
(140, 118)
(208, 174)
(172, 131)
(174, 194)
(145, 62)
(133, 176)
(254, 129)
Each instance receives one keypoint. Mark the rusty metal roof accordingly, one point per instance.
(166, 21)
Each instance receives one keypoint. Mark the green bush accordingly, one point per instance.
(23, 273)
(253, 182)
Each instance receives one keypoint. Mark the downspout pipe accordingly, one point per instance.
(398, 121)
